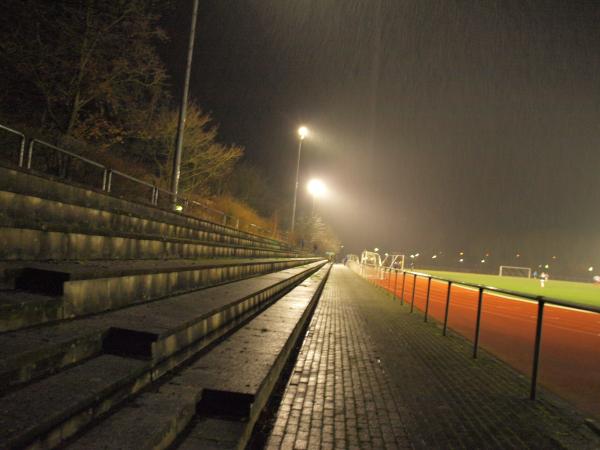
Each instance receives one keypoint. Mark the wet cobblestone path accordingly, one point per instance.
(370, 375)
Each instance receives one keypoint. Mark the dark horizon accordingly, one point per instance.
(437, 126)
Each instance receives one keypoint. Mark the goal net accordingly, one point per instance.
(513, 271)
(394, 261)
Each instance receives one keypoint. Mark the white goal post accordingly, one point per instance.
(393, 261)
(514, 271)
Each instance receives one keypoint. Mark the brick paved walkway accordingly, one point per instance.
(371, 375)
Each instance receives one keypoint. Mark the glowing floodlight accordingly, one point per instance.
(461, 260)
(302, 132)
(434, 257)
(590, 269)
(179, 208)
(482, 261)
(317, 188)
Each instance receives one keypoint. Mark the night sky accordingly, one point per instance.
(439, 125)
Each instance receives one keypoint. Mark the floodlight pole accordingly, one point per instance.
(296, 187)
(183, 109)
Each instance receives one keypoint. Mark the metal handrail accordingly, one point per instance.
(481, 288)
(21, 143)
(26, 162)
(548, 300)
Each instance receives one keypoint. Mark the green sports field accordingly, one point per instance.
(583, 293)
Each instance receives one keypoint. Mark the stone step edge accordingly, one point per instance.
(106, 233)
(139, 205)
(187, 409)
(25, 244)
(67, 306)
(70, 352)
(52, 435)
(259, 401)
(22, 223)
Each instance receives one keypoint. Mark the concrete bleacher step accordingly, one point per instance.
(155, 330)
(225, 390)
(44, 213)
(75, 289)
(40, 200)
(43, 413)
(52, 244)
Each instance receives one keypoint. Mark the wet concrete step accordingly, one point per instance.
(44, 413)
(233, 380)
(156, 330)
(43, 213)
(92, 287)
(50, 243)
(106, 208)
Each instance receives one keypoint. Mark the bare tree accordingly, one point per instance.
(205, 162)
(89, 68)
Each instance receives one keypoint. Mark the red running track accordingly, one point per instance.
(569, 362)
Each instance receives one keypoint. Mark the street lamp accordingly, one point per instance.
(302, 133)
(317, 189)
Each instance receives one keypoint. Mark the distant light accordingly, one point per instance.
(546, 266)
(461, 260)
(376, 249)
(317, 188)
(179, 208)
(387, 254)
(461, 253)
(412, 256)
(487, 254)
(434, 257)
(417, 255)
(518, 255)
(590, 269)
(302, 132)
(554, 257)
(482, 261)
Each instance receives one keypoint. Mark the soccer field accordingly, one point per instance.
(584, 293)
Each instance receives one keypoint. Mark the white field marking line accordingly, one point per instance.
(512, 297)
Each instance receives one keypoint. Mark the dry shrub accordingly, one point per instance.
(237, 208)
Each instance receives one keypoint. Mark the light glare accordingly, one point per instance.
(317, 188)
(302, 132)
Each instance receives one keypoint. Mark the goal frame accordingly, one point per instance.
(501, 268)
(393, 261)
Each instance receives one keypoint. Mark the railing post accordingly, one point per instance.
(30, 153)
(403, 283)
(478, 323)
(412, 298)
(22, 151)
(108, 180)
(237, 223)
(537, 349)
(447, 307)
(395, 283)
(154, 195)
(427, 299)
